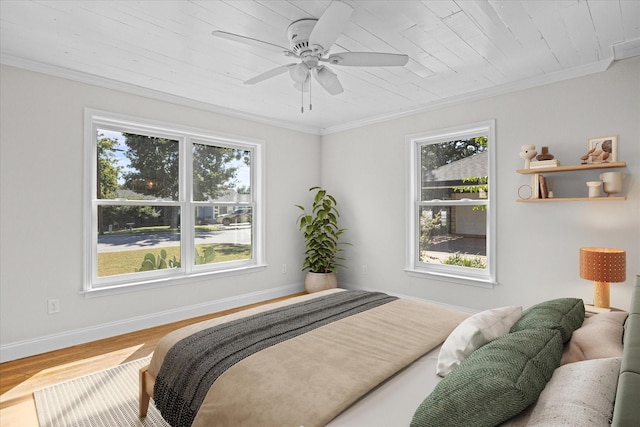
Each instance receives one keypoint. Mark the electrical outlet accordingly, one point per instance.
(284, 268)
(53, 306)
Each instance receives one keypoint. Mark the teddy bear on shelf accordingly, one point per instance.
(600, 153)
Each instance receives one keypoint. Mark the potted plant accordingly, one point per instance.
(321, 234)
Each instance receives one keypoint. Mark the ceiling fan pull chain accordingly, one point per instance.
(310, 105)
(302, 99)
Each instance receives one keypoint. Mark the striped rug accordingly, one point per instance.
(105, 398)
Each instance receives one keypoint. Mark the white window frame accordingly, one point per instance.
(188, 272)
(414, 267)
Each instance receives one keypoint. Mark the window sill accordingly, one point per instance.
(452, 278)
(122, 288)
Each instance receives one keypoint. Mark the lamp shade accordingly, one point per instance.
(603, 264)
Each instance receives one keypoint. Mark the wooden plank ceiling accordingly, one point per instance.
(458, 49)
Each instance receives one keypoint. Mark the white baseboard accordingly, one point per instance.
(57, 341)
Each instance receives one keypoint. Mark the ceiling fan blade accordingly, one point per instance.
(328, 80)
(252, 42)
(269, 74)
(367, 59)
(330, 26)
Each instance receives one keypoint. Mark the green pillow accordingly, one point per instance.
(563, 314)
(496, 382)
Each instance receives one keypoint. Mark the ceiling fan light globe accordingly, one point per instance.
(302, 86)
(328, 80)
(299, 73)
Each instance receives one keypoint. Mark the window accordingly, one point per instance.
(451, 215)
(167, 203)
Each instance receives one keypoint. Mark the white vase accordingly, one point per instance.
(594, 188)
(315, 282)
(612, 182)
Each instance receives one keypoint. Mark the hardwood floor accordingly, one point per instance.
(19, 378)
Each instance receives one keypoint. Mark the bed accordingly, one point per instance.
(376, 366)
(310, 378)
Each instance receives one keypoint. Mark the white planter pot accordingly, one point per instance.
(315, 282)
(612, 182)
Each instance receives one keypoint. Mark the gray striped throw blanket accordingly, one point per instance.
(195, 362)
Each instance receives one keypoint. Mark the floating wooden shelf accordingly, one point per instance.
(573, 168)
(573, 199)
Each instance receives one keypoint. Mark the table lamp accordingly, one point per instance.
(602, 265)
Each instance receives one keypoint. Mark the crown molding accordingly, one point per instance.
(92, 79)
(82, 77)
(627, 49)
(545, 79)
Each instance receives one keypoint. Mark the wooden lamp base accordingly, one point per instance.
(601, 294)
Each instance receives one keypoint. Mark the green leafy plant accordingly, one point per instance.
(466, 261)
(476, 184)
(208, 254)
(429, 225)
(153, 262)
(321, 233)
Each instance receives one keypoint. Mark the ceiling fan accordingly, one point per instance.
(310, 41)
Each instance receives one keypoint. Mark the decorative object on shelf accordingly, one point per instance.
(550, 194)
(553, 163)
(535, 186)
(603, 149)
(603, 266)
(545, 155)
(612, 182)
(544, 190)
(525, 192)
(528, 152)
(594, 188)
(541, 187)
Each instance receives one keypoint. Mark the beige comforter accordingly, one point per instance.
(310, 379)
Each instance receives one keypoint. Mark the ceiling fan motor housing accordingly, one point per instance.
(298, 34)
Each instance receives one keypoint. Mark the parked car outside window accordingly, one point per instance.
(239, 215)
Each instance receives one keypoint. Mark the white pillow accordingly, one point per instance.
(473, 333)
(578, 394)
(599, 337)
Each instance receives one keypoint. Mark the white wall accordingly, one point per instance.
(41, 152)
(537, 244)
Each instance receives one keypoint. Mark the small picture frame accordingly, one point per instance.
(602, 149)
